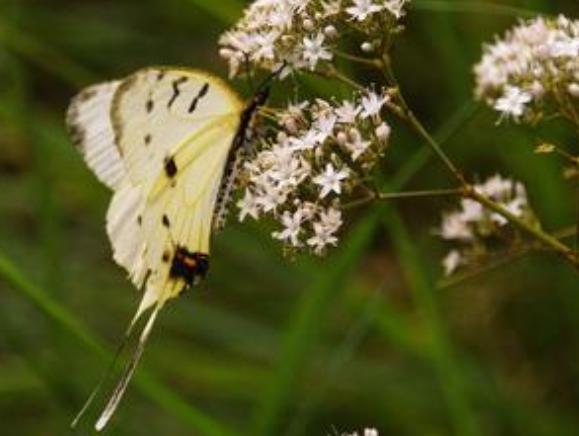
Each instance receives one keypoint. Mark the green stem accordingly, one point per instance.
(374, 63)
(468, 190)
(402, 195)
(547, 239)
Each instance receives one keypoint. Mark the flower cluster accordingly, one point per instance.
(474, 227)
(532, 71)
(320, 152)
(300, 34)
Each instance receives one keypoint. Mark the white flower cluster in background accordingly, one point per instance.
(472, 227)
(319, 153)
(533, 71)
(301, 34)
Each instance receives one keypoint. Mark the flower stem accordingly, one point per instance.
(547, 239)
(402, 195)
(374, 63)
(467, 189)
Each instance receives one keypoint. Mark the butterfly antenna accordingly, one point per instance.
(265, 82)
(248, 72)
(121, 386)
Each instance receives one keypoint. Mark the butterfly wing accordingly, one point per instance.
(161, 140)
(90, 125)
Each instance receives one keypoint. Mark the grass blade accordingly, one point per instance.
(145, 381)
(303, 330)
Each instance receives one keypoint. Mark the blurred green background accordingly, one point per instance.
(267, 346)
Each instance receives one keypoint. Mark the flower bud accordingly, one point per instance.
(308, 24)
(383, 132)
(367, 47)
(331, 32)
(342, 138)
(574, 89)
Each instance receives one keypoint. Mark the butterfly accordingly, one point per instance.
(167, 141)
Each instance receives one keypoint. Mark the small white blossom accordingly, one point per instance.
(314, 50)
(357, 146)
(248, 206)
(362, 9)
(513, 102)
(331, 180)
(292, 224)
(347, 112)
(470, 226)
(372, 104)
(452, 261)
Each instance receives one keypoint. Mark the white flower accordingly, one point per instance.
(325, 125)
(452, 261)
(331, 219)
(524, 71)
(271, 198)
(330, 180)
(396, 7)
(292, 224)
(372, 104)
(362, 9)
(248, 206)
(315, 51)
(513, 102)
(357, 146)
(472, 211)
(321, 239)
(455, 227)
(347, 112)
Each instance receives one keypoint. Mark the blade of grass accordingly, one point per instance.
(449, 373)
(303, 329)
(42, 55)
(144, 381)
(422, 156)
(335, 362)
(226, 11)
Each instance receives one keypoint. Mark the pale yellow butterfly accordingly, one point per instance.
(166, 141)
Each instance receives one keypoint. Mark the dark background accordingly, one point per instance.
(267, 346)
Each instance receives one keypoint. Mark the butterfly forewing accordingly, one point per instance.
(157, 110)
(160, 139)
(90, 125)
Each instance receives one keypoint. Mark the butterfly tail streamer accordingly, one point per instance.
(105, 377)
(121, 386)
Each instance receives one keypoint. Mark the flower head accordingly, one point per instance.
(530, 69)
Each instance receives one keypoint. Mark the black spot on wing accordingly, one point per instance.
(166, 221)
(176, 90)
(149, 106)
(147, 138)
(202, 93)
(170, 167)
